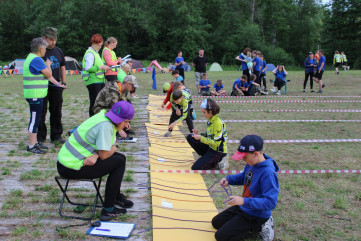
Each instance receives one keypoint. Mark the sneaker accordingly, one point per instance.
(123, 202)
(273, 89)
(320, 91)
(303, 91)
(312, 91)
(105, 216)
(267, 233)
(223, 164)
(135, 97)
(278, 92)
(323, 85)
(35, 150)
(167, 134)
(130, 132)
(128, 138)
(59, 140)
(40, 145)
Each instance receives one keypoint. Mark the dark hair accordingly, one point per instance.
(246, 50)
(336, 52)
(254, 51)
(253, 77)
(219, 81)
(176, 85)
(320, 50)
(261, 55)
(96, 39)
(204, 74)
(259, 52)
(212, 107)
(177, 94)
(175, 72)
(244, 77)
(179, 51)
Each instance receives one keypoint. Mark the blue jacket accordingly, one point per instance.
(260, 190)
(308, 64)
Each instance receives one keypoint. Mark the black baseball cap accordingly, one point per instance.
(250, 143)
(310, 53)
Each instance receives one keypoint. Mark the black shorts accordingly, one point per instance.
(344, 63)
(337, 64)
(318, 75)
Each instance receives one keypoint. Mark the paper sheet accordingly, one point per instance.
(111, 229)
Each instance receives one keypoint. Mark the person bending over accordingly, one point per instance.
(251, 213)
(90, 153)
(211, 145)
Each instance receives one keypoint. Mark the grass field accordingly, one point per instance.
(310, 206)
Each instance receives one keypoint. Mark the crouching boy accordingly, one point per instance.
(250, 214)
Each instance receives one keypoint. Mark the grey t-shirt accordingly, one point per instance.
(101, 136)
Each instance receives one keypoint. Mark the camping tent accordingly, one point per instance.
(71, 64)
(19, 64)
(156, 64)
(215, 67)
(137, 64)
(270, 67)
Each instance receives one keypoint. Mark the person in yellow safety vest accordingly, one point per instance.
(337, 61)
(344, 61)
(93, 70)
(110, 58)
(36, 77)
(211, 145)
(90, 153)
(124, 71)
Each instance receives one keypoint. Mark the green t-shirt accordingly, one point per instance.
(121, 75)
(101, 136)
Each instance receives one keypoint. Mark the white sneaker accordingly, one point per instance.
(273, 89)
(223, 164)
(278, 92)
(267, 233)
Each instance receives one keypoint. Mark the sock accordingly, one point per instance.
(31, 146)
(109, 210)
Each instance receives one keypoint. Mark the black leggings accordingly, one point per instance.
(209, 157)
(311, 80)
(113, 165)
(258, 79)
(93, 90)
(233, 224)
(279, 83)
(246, 73)
(189, 120)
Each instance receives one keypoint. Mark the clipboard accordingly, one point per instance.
(112, 229)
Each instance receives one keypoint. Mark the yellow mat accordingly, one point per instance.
(182, 207)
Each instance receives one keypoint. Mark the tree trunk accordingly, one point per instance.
(253, 8)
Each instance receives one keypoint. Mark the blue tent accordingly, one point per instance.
(270, 67)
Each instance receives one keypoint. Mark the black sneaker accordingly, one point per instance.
(312, 91)
(123, 202)
(130, 132)
(40, 145)
(35, 150)
(303, 91)
(105, 216)
(59, 140)
(323, 85)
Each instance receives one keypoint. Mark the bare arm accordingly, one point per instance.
(63, 74)
(105, 154)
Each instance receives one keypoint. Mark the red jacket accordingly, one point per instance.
(167, 98)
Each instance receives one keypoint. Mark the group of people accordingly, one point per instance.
(90, 151)
(7, 70)
(251, 213)
(340, 60)
(314, 68)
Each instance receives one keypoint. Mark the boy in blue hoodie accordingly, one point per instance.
(250, 214)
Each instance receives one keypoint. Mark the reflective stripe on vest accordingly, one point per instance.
(35, 86)
(77, 148)
(93, 77)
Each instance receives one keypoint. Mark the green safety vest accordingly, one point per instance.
(343, 58)
(114, 57)
(217, 143)
(337, 58)
(77, 148)
(93, 77)
(35, 86)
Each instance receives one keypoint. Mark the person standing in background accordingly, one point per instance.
(179, 64)
(344, 61)
(110, 58)
(93, 70)
(309, 64)
(256, 65)
(55, 94)
(200, 64)
(319, 71)
(244, 59)
(337, 61)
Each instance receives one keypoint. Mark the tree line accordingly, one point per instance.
(284, 30)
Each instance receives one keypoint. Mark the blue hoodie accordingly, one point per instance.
(261, 193)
